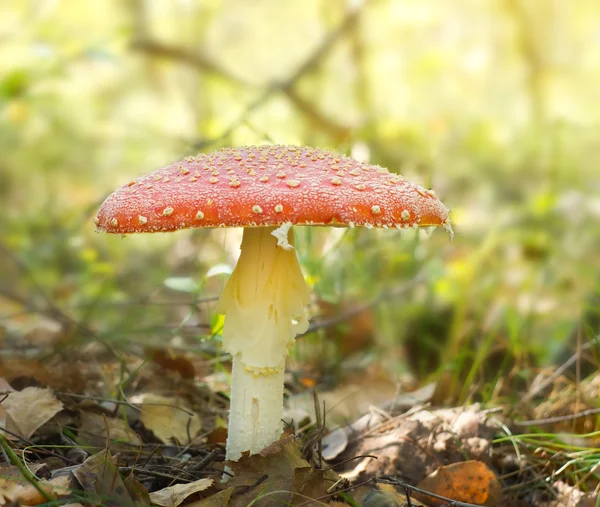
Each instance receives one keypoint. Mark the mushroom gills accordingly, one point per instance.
(264, 302)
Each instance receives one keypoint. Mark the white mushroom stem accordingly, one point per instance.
(264, 302)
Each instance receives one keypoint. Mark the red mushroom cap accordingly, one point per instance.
(269, 186)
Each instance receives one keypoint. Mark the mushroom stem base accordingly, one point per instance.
(256, 409)
(264, 303)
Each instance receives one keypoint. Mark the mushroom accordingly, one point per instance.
(266, 190)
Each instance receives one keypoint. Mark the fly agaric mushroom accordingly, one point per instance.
(266, 190)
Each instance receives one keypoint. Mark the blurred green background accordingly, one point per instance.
(495, 104)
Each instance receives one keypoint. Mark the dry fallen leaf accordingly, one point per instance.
(58, 487)
(467, 481)
(23, 493)
(217, 436)
(276, 476)
(136, 489)
(220, 499)
(382, 495)
(9, 491)
(169, 418)
(173, 496)
(98, 474)
(5, 386)
(12, 473)
(54, 373)
(26, 410)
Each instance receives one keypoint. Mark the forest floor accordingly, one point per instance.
(87, 429)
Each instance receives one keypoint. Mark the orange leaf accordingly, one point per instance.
(469, 481)
(217, 436)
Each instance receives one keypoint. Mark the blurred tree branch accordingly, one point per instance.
(195, 59)
(149, 45)
(317, 118)
(533, 57)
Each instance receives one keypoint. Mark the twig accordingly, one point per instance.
(335, 129)
(559, 418)
(205, 64)
(244, 489)
(561, 369)
(207, 460)
(348, 460)
(407, 494)
(352, 487)
(154, 473)
(309, 64)
(135, 406)
(406, 487)
(195, 59)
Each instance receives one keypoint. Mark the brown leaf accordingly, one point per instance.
(173, 496)
(309, 483)
(60, 376)
(9, 490)
(27, 410)
(468, 481)
(98, 474)
(169, 418)
(217, 436)
(12, 473)
(5, 386)
(136, 489)
(22, 492)
(220, 499)
(273, 476)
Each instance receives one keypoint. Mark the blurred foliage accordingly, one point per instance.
(493, 103)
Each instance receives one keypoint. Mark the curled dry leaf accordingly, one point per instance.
(468, 481)
(278, 475)
(136, 489)
(177, 494)
(26, 410)
(98, 474)
(168, 418)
